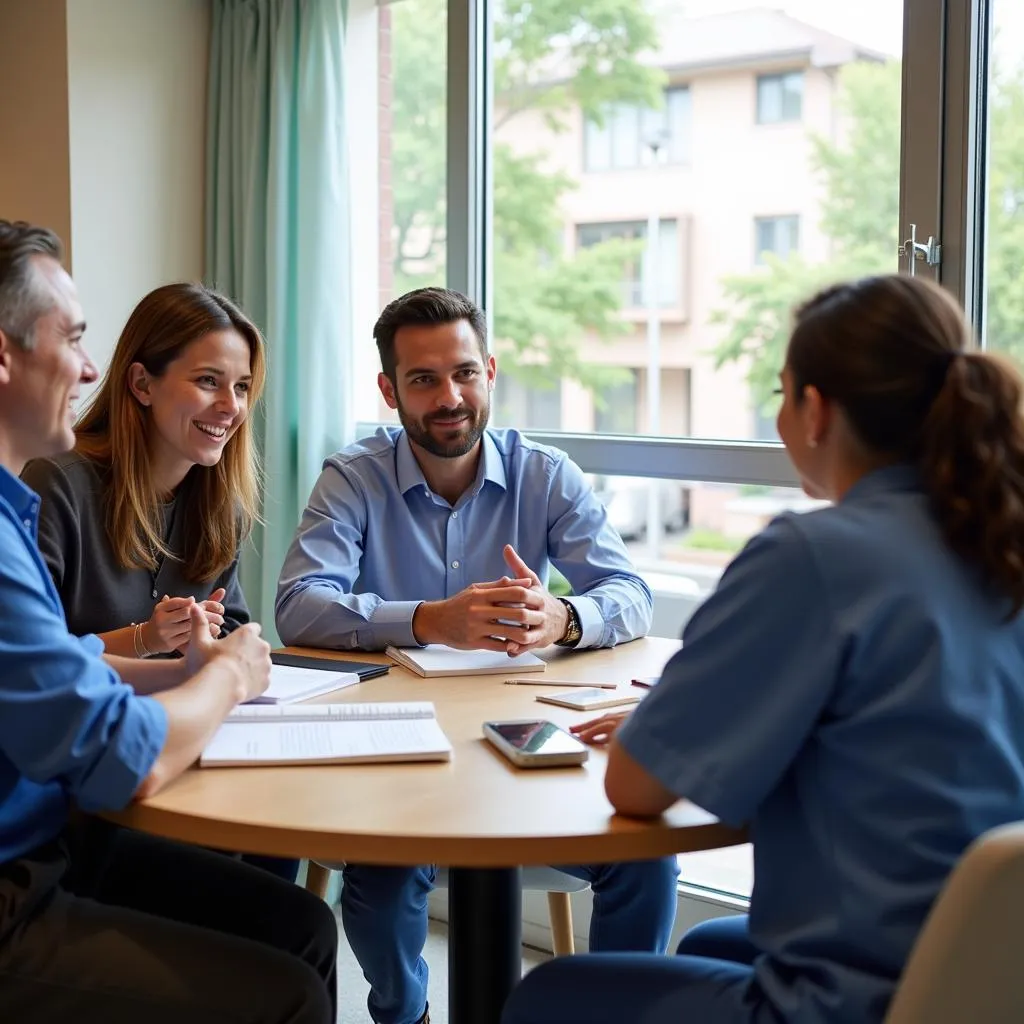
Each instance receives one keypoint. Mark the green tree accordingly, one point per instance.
(551, 57)
(860, 177)
(1004, 315)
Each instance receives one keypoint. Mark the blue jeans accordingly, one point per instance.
(710, 981)
(384, 912)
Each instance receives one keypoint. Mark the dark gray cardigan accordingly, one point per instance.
(98, 594)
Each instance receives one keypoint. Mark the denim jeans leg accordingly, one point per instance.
(634, 904)
(384, 913)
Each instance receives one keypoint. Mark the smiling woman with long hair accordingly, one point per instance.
(147, 514)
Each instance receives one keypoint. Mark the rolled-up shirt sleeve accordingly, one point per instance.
(737, 702)
(65, 715)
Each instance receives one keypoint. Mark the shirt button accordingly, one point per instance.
(455, 515)
(455, 564)
(28, 524)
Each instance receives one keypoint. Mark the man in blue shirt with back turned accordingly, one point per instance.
(444, 531)
(98, 923)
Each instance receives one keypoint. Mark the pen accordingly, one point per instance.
(560, 682)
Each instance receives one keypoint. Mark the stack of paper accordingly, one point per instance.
(439, 660)
(289, 684)
(328, 734)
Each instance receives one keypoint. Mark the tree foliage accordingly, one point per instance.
(551, 57)
(1004, 313)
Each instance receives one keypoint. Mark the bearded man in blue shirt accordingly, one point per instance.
(444, 531)
(98, 923)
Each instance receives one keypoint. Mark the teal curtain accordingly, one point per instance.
(277, 241)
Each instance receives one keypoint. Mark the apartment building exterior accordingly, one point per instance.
(725, 168)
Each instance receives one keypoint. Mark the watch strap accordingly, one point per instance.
(573, 629)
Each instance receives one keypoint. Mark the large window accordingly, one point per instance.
(571, 262)
(626, 135)
(397, 53)
(528, 179)
(1004, 302)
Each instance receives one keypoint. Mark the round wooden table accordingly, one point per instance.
(477, 813)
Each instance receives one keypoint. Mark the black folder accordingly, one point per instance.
(364, 669)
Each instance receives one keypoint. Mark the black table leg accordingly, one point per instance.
(485, 927)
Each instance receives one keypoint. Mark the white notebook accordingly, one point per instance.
(439, 660)
(261, 734)
(289, 684)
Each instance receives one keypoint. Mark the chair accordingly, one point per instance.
(966, 964)
(557, 884)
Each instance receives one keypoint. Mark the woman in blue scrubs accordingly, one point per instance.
(854, 688)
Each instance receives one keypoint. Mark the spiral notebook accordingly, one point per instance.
(440, 660)
(259, 735)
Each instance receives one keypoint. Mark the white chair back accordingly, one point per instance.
(966, 966)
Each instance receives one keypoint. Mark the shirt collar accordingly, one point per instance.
(902, 476)
(409, 474)
(19, 496)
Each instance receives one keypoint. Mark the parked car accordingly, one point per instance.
(626, 499)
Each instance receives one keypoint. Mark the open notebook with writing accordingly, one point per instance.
(439, 660)
(269, 734)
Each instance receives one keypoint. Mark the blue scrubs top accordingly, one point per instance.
(854, 693)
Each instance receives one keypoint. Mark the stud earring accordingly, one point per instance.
(812, 442)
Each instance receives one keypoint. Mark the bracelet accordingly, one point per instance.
(141, 651)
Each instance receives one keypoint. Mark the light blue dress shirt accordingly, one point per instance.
(69, 727)
(375, 541)
(854, 693)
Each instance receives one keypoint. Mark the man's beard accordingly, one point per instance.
(419, 432)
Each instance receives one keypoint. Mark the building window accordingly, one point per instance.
(624, 139)
(669, 270)
(780, 98)
(777, 235)
(527, 406)
(615, 410)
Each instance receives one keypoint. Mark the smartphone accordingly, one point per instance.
(535, 743)
(589, 700)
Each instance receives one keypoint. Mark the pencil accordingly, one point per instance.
(560, 682)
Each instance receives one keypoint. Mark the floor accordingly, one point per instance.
(352, 987)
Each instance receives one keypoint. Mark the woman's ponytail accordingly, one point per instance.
(895, 352)
(972, 464)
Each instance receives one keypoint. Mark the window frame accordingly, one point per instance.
(940, 83)
(780, 77)
(776, 221)
(638, 163)
(670, 246)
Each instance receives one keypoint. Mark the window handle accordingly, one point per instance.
(912, 250)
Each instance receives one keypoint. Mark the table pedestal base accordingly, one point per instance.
(485, 927)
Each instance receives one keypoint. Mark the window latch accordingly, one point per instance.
(912, 250)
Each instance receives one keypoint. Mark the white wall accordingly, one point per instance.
(137, 111)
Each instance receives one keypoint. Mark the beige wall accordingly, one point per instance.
(137, 98)
(34, 183)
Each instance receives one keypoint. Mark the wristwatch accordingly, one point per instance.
(573, 630)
